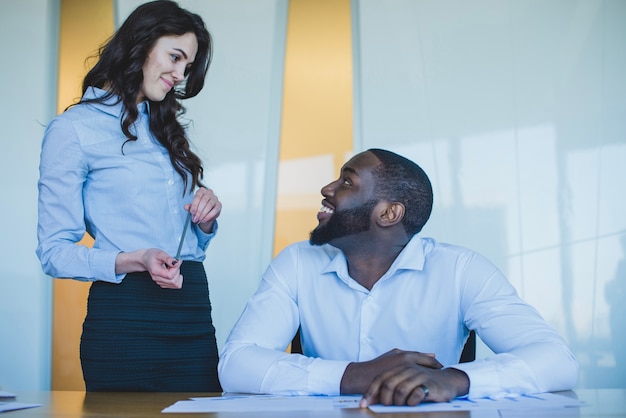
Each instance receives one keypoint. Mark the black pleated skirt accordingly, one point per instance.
(139, 337)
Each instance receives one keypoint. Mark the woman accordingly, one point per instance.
(118, 166)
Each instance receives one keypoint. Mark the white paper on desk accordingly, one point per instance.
(263, 403)
(252, 404)
(339, 401)
(14, 406)
(543, 400)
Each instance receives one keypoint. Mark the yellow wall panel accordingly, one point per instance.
(317, 101)
(84, 26)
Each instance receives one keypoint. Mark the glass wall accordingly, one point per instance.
(516, 110)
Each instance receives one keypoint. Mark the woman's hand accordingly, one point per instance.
(204, 209)
(163, 268)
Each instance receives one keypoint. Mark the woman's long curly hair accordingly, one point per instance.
(119, 70)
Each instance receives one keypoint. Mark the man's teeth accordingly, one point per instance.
(326, 210)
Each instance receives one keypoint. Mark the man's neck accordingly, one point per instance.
(368, 263)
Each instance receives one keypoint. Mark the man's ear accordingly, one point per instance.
(389, 213)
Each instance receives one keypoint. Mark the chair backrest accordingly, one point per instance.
(469, 350)
(296, 344)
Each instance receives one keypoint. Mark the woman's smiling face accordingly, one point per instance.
(166, 65)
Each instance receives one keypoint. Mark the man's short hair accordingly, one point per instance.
(399, 179)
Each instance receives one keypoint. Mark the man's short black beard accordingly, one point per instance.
(343, 223)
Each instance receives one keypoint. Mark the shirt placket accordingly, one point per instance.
(369, 313)
(169, 186)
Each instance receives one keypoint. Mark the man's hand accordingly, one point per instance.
(412, 384)
(358, 377)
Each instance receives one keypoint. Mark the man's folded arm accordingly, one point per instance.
(536, 368)
(249, 368)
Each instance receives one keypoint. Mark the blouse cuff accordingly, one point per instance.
(102, 264)
(205, 238)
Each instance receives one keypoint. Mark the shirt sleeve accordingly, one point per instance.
(62, 173)
(530, 356)
(204, 238)
(254, 360)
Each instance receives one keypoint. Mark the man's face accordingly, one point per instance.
(348, 201)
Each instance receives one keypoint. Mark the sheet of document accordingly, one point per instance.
(270, 403)
(14, 406)
(263, 403)
(539, 401)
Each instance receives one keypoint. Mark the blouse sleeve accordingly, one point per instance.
(63, 171)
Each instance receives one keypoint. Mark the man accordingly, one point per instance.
(385, 313)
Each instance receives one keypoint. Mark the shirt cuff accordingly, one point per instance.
(205, 238)
(498, 376)
(102, 265)
(325, 376)
(483, 378)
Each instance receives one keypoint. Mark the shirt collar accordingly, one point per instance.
(112, 105)
(410, 258)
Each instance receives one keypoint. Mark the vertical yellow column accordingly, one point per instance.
(84, 26)
(317, 107)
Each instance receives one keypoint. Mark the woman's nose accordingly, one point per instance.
(179, 73)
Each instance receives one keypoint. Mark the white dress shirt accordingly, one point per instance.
(427, 301)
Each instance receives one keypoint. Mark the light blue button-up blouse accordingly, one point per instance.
(125, 194)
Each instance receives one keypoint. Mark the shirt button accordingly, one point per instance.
(170, 182)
